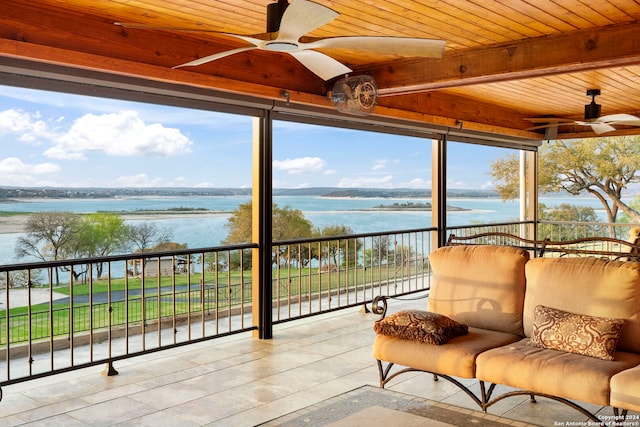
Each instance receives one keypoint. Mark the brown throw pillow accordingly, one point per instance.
(423, 326)
(575, 333)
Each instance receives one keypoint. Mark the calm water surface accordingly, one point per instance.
(211, 230)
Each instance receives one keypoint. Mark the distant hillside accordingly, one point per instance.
(8, 193)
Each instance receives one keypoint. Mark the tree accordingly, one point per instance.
(379, 251)
(343, 251)
(570, 214)
(602, 167)
(144, 236)
(47, 236)
(101, 234)
(287, 224)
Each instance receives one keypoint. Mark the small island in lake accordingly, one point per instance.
(411, 206)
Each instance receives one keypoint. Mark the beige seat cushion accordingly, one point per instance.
(456, 357)
(553, 372)
(479, 285)
(625, 389)
(588, 286)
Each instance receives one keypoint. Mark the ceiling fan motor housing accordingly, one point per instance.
(274, 15)
(356, 95)
(592, 110)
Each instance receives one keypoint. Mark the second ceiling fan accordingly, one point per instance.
(599, 124)
(287, 23)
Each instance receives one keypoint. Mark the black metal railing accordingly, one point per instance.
(58, 316)
(312, 276)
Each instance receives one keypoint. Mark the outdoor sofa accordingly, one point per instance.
(543, 326)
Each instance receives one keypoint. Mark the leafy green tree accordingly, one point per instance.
(570, 215)
(602, 167)
(340, 252)
(379, 251)
(101, 234)
(287, 224)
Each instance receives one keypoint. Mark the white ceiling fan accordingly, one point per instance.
(599, 124)
(287, 23)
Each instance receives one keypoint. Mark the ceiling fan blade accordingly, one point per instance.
(598, 128)
(215, 56)
(320, 64)
(622, 119)
(405, 46)
(303, 16)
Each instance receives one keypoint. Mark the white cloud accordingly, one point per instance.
(382, 182)
(380, 164)
(28, 126)
(139, 180)
(417, 183)
(14, 171)
(118, 134)
(300, 165)
(144, 180)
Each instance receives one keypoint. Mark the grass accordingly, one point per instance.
(10, 213)
(288, 283)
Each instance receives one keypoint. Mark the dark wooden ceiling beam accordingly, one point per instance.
(605, 47)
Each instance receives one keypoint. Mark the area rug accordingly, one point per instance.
(375, 407)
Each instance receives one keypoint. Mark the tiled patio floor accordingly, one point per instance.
(240, 381)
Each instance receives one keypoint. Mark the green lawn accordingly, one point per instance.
(288, 283)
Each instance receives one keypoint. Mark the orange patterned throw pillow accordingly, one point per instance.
(575, 333)
(423, 326)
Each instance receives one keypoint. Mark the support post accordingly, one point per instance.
(532, 182)
(261, 230)
(439, 190)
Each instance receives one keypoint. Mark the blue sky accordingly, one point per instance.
(54, 139)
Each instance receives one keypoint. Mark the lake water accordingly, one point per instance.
(211, 230)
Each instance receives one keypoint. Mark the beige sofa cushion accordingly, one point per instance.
(553, 372)
(589, 286)
(456, 357)
(481, 286)
(625, 389)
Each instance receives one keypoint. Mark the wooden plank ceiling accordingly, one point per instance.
(505, 60)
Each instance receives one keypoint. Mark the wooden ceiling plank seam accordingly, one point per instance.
(515, 12)
(631, 8)
(567, 10)
(455, 27)
(610, 11)
(471, 13)
(588, 13)
(527, 26)
(509, 24)
(545, 15)
(174, 14)
(417, 22)
(458, 19)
